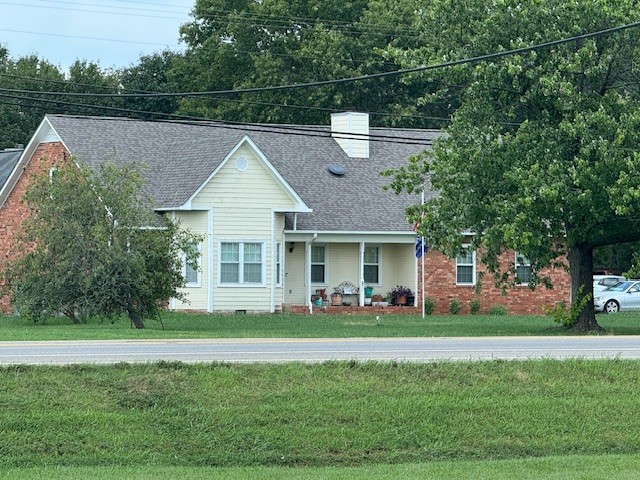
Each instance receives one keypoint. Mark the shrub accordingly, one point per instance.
(454, 306)
(474, 306)
(498, 309)
(429, 305)
(568, 316)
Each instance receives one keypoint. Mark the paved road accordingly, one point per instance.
(318, 350)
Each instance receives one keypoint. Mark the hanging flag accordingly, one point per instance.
(420, 248)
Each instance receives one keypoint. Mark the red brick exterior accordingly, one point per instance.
(13, 212)
(440, 285)
(440, 276)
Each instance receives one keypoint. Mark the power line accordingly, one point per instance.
(60, 35)
(242, 126)
(231, 100)
(471, 60)
(88, 11)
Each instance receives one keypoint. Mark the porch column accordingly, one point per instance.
(307, 272)
(361, 276)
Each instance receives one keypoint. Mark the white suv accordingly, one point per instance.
(600, 282)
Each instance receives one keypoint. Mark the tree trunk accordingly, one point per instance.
(135, 318)
(581, 268)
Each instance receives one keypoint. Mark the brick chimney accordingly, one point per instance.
(351, 131)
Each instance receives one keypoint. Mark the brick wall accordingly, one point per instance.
(13, 212)
(440, 285)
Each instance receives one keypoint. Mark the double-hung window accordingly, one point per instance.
(278, 264)
(372, 265)
(466, 267)
(241, 263)
(318, 264)
(191, 265)
(523, 269)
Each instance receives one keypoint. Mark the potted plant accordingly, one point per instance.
(400, 294)
(336, 296)
(368, 292)
(377, 299)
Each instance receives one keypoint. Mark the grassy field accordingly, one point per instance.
(180, 325)
(280, 421)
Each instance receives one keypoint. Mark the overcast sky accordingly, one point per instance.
(112, 33)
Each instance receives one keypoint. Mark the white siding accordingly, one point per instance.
(197, 222)
(243, 204)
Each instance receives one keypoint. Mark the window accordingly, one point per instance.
(278, 263)
(466, 267)
(371, 264)
(523, 268)
(318, 266)
(241, 262)
(190, 267)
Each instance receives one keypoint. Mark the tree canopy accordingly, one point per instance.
(93, 247)
(542, 156)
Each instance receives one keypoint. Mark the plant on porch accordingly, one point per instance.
(400, 294)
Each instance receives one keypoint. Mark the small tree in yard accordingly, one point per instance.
(541, 156)
(93, 247)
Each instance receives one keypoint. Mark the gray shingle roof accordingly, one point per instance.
(180, 157)
(8, 161)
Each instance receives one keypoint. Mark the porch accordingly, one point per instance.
(357, 265)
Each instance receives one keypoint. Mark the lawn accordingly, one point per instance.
(183, 325)
(333, 420)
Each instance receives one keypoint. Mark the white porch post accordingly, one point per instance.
(361, 276)
(307, 261)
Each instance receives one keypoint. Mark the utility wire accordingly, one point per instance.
(250, 127)
(231, 100)
(471, 60)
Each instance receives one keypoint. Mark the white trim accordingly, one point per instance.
(516, 265)
(172, 301)
(44, 131)
(210, 265)
(300, 205)
(198, 282)
(273, 249)
(473, 265)
(324, 262)
(240, 284)
(379, 247)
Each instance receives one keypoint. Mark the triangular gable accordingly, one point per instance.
(45, 133)
(300, 205)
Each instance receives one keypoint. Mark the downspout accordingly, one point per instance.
(308, 262)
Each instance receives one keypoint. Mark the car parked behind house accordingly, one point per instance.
(600, 282)
(621, 296)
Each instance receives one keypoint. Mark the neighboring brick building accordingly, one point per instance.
(282, 216)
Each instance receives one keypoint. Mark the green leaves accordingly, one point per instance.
(94, 247)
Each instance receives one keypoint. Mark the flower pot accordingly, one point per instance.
(401, 300)
(367, 300)
(336, 299)
(318, 302)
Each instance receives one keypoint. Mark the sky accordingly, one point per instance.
(112, 33)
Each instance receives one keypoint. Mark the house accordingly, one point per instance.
(287, 212)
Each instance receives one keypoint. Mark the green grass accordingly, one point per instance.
(181, 325)
(576, 467)
(338, 414)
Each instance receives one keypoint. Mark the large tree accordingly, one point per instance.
(249, 43)
(93, 247)
(543, 154)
